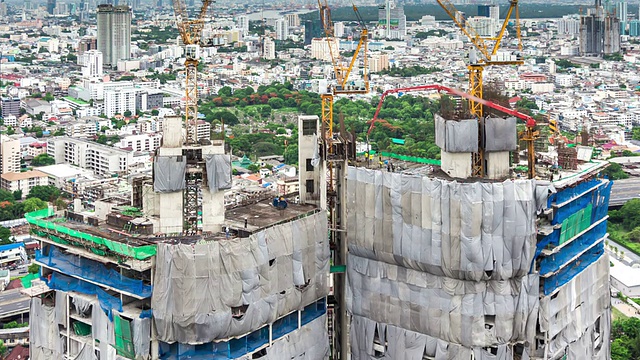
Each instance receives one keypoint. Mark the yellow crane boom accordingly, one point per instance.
(191, 33)
(488, 47)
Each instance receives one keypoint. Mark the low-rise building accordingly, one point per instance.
(23, 181)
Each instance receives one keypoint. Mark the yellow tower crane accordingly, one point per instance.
(487, 47)
(342, 71)
(191, 34)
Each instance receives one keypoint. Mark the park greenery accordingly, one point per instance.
(409, 71)
(275, 107)
(624, 225)
(625, 339)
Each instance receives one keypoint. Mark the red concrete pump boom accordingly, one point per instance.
(528, 120)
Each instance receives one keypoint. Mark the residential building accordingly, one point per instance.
(9, 155)
(23, 181)
(12, 253)
(141, 142)
(293, 20)
(392, 20)
(114, 33)
(569, 25)
(338, 29)
(119, 101)
(282, 29)
(268, 49)
(320, 48)
(634, 28)
(10, 106)
(92, 64)
(378, 62)
(102, 159)
(242, 22)
(312, 29)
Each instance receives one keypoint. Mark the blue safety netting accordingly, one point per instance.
(108, 303)
(569, 272)
(92, 271)
(239, 347)
(579, 197)
(556, 261)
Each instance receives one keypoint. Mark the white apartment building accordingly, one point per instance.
(24, 181)
(150, 125)
(564, 80)
(320, 48)
(12, 252)
(484, 26)
(119, 101)
(569, 25)
(204, 130)
(242, 22)
(9, 155)
(269, 49)
(92, 64)
(338, 29)
(101, 159)
(80, 130)
(282, 29)
(140, 142)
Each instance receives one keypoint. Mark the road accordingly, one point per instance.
(12, 302)
(624, 190)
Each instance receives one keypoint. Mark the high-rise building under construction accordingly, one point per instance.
(599, 31)
(170, 273)
(444, 266)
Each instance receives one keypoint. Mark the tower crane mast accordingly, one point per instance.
(191, 34)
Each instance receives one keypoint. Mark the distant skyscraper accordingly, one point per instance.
(599, 31)
(51, 5)
(338, 29)
(282, 29)
(114, 33)
(312, 29)
(392, 20)
(634, 28)
(621, 11)
(242, 22)
(268, 49)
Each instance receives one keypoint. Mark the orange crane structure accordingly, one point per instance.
(334, 151)
(488, 47)
(529, 121)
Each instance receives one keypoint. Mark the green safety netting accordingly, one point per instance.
(124, 340)
(81, 329)
(138, 252)
(407, 158)
(26, 280)
(575, 224)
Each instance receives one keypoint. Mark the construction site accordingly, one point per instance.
(494, 252)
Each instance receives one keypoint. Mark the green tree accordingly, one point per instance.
(619, 351)
(17, 195)
(225, 91)
(5, 236)
(276, 103)
(155, 112)
(33, 204)
(127, 113)
(291, 154)
(44, 193)
(43, 160)
(614, 172)
(253, 168)
(34, 269)
(48, 97)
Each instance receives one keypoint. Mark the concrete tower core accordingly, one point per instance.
(187, 180)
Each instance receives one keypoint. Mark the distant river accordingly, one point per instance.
(273, 14)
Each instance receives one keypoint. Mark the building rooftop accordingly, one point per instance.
(23, 175)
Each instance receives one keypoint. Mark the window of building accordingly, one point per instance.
(309, 165)
(309, 186)
(308, 127)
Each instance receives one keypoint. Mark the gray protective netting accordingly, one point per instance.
(456, 311)
(309, 342)
(467, 231)
(169, 173)
(218, 171)
(500, 134)
(444, 260)
(273, 272)
(44, 340)
(456, 136)
(570, 315)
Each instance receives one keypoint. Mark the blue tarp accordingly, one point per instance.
(569, 272)
(558, 260)
(238, 347)
(92, 271)
(108, 303)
